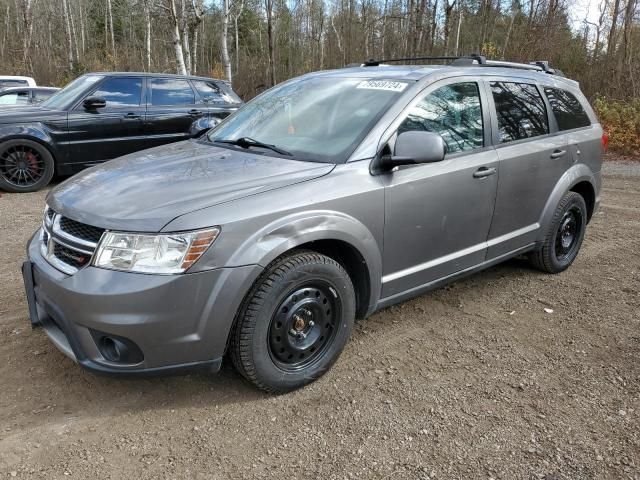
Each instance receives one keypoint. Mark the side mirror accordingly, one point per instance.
(92, 103)
(414, 147)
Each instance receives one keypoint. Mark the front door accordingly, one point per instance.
(101, 134)
(438, 215)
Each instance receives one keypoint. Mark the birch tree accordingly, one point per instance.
(226, 62)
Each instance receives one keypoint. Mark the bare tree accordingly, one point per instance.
(175, 34)
(226, 62)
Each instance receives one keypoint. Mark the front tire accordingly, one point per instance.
(25, 166)
(294, 323)
(564, 237)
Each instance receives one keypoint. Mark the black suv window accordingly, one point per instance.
(567, 109)
(169, 91)
(520, 109)
(454, 112)
(120, 91)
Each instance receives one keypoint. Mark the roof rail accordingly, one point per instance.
(474, 57)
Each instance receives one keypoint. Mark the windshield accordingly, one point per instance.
(317, 119)
(68, 94)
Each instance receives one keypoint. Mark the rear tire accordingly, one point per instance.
(564, 236)
(294, 323)
(25, 166)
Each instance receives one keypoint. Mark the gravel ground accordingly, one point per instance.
(474, 380)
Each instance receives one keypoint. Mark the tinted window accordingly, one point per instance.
(567, 109)
(452, 111)
(213, 93)
(168, 91)
(120, 91)
(15, 98)
(42, 95)
(520, 109)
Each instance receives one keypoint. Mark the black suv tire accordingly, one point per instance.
(294, 323)
(34, 161)
(563, 239)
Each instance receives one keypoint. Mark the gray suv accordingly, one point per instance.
(324, 199)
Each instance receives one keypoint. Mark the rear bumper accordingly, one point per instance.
(178, 322)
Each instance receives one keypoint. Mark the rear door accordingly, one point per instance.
(117, 129)
(533, 156)
(438, 215)
(172, 109)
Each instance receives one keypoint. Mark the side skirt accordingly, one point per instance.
(420, 289)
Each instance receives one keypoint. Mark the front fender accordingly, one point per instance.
(291, 231)
(35, 132)
(576, 174)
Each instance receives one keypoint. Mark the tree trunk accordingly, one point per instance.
(67, 24)
(272, 59)
(176, 40)
(27, 16)
(113, 38)
(147, 34)
(458, 33)
(226, 62)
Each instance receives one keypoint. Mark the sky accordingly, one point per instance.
(584, 8)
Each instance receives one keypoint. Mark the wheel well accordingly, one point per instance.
(353, 262)
(585, 189)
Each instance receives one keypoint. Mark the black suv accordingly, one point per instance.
(100, 116)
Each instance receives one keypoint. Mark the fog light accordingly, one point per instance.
(117, 349)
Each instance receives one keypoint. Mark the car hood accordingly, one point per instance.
(146, 190)
(20, 114)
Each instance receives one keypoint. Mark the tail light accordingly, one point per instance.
(605, 142)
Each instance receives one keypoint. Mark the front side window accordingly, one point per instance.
(169, 91)
(567, 109)
(120, 91)
(520, 109)
(454, 112)
(69, 94)
(15, 98)
(320, 119)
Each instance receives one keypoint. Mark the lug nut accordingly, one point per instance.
(311, 323)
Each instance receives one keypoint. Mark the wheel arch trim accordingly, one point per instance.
(579, 173)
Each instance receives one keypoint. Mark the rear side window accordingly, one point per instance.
(169, 91)
(15, 98)
(520, 109)
(567, 109)
(120, 91)
(213, 93)
(454, 112)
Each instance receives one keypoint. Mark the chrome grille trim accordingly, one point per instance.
(51, 235)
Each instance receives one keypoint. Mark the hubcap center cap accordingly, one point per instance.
(298, 323)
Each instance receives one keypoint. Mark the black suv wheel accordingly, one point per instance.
(564, 237)
(25, 166)
(294, 323)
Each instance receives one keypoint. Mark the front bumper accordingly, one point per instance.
(177, 321)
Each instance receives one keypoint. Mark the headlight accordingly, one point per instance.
(162, 253)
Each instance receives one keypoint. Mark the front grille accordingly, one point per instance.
(81, 230)
(71, 256)
(68, 245)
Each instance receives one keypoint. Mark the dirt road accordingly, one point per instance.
(474, 380)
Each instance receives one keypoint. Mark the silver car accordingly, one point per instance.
(324, 199)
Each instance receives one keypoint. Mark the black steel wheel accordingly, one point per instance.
(294, 322)
(25, 166)
(564, 235)
(304, 326)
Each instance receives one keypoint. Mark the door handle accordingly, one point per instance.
(484, 172)
(558, 153)
(131, 116)
(194, 112)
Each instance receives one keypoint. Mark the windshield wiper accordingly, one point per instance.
(246, 142)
